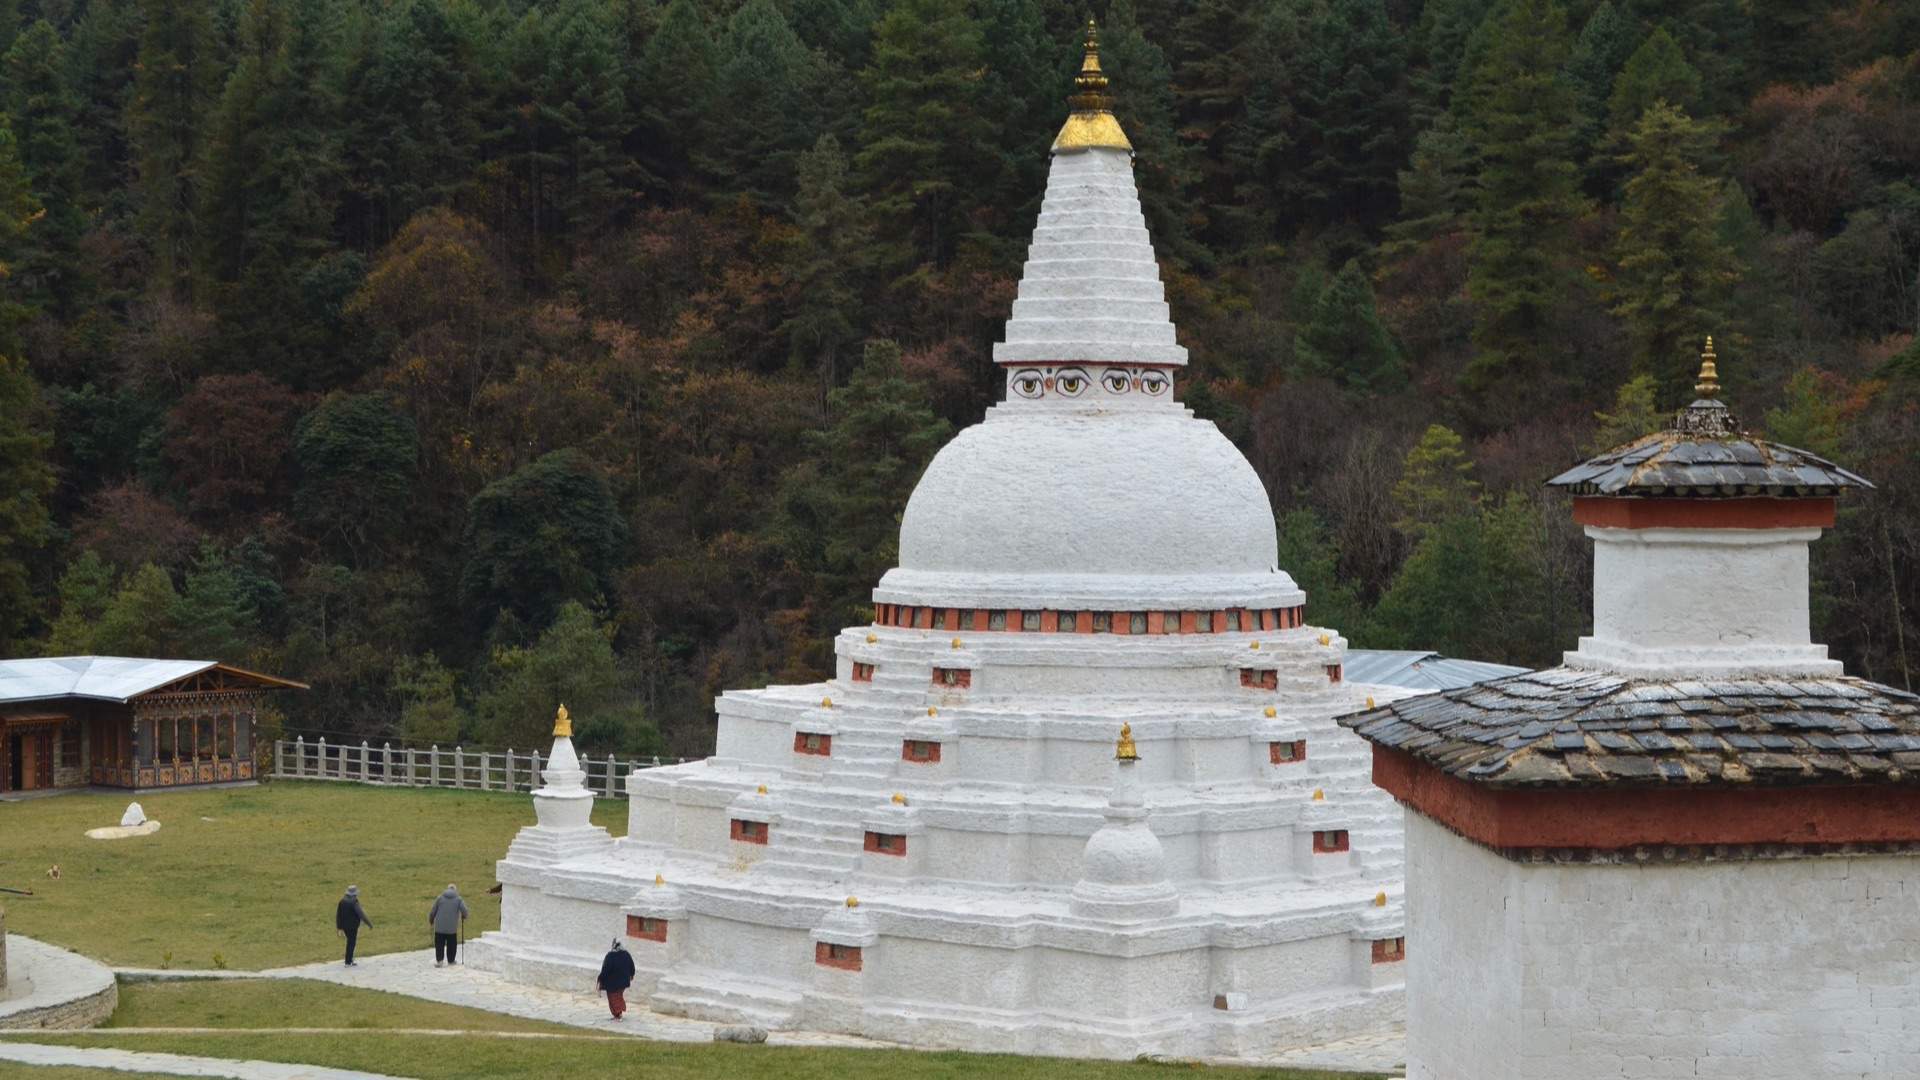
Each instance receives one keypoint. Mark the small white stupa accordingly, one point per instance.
(1694, 848)
(1090, 558)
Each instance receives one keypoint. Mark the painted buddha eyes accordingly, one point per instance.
(1073, 382)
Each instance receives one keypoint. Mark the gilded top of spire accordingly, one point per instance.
(562, 724)
(1091, 123)
(1709, 384)
(1125, 750)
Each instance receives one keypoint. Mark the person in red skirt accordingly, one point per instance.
(616, 974)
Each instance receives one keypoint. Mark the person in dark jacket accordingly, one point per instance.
(616, 974)
(447, 917)
(348, 918)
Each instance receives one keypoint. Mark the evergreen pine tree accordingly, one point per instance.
(1672, 270)
(1025, 83)
(1309, 552)
(172, 90)
(139, 619)
(1521, 113)
(823, 264)
(1434, 199)
(214, 615)
(1657, 71)
(19, 213)
(1345, 340)
(28, 480)
(1440, 41)
(768, 90)
(1635, 413)
(1353, 106)
(101, 52)
(1436, 482)
(1604, 44)
(44, 117)
(676, 85)
(86, 589)
(924, 130)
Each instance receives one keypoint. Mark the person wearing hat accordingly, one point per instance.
(616, 974)
(447, 917)
(348, 917)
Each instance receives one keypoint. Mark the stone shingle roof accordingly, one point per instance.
(1679, 463)
(1567, 727)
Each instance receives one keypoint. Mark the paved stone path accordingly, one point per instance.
(414, 975)
(175, 1064)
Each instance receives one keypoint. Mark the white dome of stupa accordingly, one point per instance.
(1090, 486)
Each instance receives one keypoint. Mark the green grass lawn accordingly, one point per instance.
(251, 875)
(361, 1044)
(290, 1003)
(456, 1057)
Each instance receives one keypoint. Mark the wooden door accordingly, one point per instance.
(43, 758)
(29, 761)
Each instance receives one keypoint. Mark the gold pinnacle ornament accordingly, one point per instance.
(562, 724)
(1125, 750)
(826, 703)
(1319, 795)
(1709, 384)
(659, 879)
(1380, 899)
(1271, 712)
(761, 790)
(899, 799)
(853, 901)
(1091, 124)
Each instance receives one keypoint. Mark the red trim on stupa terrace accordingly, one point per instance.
(1610, 818)
(1762, 513)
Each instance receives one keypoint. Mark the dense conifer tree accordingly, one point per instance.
(1657, 71)
(768, 92)
(1353, 107)
(923, 129)
(676, 75)
(28, 479)
(1521, 115)
(1344, 339)
(1673, 272)
(173, 87)
(824, 262)
(44, 117)
(1606, 41)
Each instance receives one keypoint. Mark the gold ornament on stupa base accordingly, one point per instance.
(1125, 750)
(562, 724)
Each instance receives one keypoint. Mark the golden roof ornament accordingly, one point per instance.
(1125, 750)
(659, 880)
(853, 901)
(899, 798)
(1709, 384)
(562, 724)
(1091, 124)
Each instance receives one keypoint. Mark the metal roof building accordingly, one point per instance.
(1422, 670)
(127, 722)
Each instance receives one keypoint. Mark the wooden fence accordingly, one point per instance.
(408, 766)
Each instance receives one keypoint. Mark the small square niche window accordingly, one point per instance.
(997, 620)
(1102, 622)
(1138, 622)
(1029, 620)
(1233, 620)
(1069, 622)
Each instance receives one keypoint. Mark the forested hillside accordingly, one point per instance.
(462, 356)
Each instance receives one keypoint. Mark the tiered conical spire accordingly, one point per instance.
(1091, 292)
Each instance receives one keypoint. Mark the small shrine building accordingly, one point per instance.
(1694, 848)
(123, 722)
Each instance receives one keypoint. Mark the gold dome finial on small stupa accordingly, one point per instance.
(1125, 750)
(1091, 123)
(562, 724)
(1709, 384)
(659, 880)
(899, 798)
(1380, 899)
(853, 901)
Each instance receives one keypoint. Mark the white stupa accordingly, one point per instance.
(938, 846)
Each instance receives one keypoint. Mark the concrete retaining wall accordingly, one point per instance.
(53, 988)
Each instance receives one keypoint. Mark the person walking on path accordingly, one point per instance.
(616, 974)
(348, 917)
(448, 915)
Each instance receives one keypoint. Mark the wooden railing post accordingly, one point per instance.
(299, 755)
(459, 767)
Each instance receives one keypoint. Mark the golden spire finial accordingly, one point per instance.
(562, 724)
(1125, 750)
(853, 901)
(899, 798)
(659, 880)
(1709, 384)
(1091, 123)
